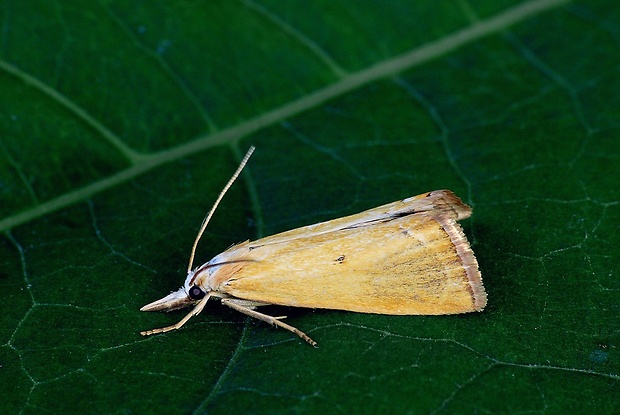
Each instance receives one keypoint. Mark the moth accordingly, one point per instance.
(408, 257)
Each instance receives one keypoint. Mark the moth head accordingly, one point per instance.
(187, 295)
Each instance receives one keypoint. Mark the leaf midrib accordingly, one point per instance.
(143, 163)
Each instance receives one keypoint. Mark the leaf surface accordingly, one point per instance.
(121, 122)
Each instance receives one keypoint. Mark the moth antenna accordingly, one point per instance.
(206, 220)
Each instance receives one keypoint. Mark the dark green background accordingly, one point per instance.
(121, 121)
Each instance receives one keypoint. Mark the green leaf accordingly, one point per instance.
(121, 121)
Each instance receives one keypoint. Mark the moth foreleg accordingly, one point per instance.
(275, 321)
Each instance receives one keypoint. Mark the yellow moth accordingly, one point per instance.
(404, 258)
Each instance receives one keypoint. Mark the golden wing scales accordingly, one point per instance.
(407, 257)
(437, 202)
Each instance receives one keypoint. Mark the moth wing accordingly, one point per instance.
(439, 202)
(415, 264)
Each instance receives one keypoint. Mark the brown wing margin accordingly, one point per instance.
(449, 203)
(465, 253)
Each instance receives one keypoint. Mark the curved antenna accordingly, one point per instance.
(206, 220)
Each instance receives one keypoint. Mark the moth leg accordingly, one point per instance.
(274, 321)
(199, 307)
(252, 305)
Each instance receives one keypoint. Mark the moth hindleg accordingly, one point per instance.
(243, 307)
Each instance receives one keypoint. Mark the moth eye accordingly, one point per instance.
(196, 293)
